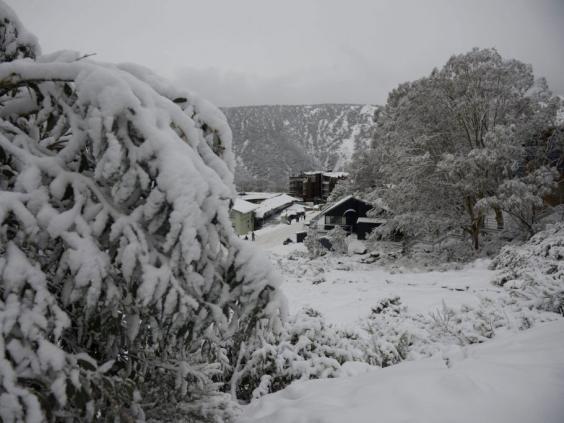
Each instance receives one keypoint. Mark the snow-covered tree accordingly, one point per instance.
(450, 140)
(338, 239)
(124, 292)
(313, 244)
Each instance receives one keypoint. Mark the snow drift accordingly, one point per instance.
(518, 379)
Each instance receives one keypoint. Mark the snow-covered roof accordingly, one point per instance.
(294, 208)
(243, 206)
(275, 203)
(258, 196)
(336, 174)
(328, 174)
(337, 204)
(370, 220)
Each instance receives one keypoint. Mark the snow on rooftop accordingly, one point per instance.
(258, 196)
(271, 204)
(331, 206)
(294, 208)
(370, 220)
(336, 174)
(328, 174)
(243, 206)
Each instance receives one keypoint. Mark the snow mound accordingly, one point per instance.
(517, 379)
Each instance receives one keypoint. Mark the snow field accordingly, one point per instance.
(459, 338)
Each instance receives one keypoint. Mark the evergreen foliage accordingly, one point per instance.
(125, 294)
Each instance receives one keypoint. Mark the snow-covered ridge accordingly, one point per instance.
(273, 142)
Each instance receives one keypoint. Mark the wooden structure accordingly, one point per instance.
(314, 187)
(242, 215)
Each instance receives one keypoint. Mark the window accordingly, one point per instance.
(335, 220)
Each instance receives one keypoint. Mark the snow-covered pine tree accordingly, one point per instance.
(124, 293)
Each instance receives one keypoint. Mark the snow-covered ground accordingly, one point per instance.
(344, 289)
(518, 376)
(513, 379)
(270, 238)
(343, 293)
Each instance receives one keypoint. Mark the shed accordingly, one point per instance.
(344, 213)
(242, 215)
(365, 225)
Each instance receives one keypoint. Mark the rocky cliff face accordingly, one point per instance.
(273, 142)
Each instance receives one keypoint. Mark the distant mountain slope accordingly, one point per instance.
(272, 142)
(560, 113)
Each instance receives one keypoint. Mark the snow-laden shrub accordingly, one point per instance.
(306, 347)
(398, 334)
(389, 341)
(534, 272)
(124, 292)
(338, 238)
(313, 243)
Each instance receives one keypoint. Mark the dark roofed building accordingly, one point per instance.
(314, 187)
(350, 214)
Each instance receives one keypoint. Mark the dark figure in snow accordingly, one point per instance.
(246, 238)
(252, 236)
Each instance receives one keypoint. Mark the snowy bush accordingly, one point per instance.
(125, 293)
(389, 341)
(307, 347)
(313, 244)
(337, 236)
(534, 271)
(398, 334)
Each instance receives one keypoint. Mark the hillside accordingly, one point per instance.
(272, 142)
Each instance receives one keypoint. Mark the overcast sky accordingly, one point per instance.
(240, 52)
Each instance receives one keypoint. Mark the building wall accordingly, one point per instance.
(243, 223)
(297, 186)
(312, 187)
(337, 216)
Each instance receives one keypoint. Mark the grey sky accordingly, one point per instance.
(239, 52)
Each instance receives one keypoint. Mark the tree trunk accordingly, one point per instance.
(476, 222)
(475, 233)
(499, 218)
